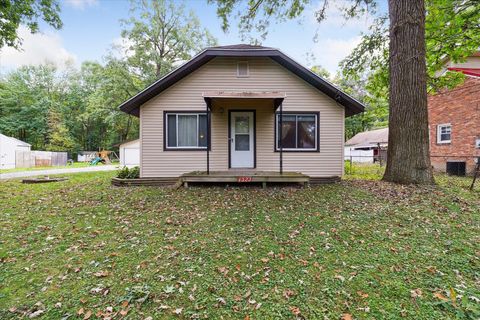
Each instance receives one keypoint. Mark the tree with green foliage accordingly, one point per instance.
(59, 137)
(26, 97)
(160, 35)
(396, 44)
(115, 85)
(321, 71)
(26, 12)
(77, 109)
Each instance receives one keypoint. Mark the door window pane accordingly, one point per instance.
(172, 130)
(202, 130)
(242, 124)
(242, 142)
(187, 130)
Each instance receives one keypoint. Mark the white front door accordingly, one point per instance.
(242, 143)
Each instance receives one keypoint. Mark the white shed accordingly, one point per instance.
(8, 147)
(130, 153)
(367, 146)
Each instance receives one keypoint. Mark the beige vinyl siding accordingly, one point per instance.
(221, 74)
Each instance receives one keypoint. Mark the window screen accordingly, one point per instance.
(298, 132)
(186, 130)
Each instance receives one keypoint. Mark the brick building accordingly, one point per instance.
(454, 121)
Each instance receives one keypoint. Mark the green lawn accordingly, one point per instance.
(368, 249)
(74, 165)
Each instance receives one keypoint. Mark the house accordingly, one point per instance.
(8, 149)
(130, 153)
(454, 121)
(243, 111)
(368, 146)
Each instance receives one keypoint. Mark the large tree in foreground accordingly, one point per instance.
(452, 30)
(408, 144)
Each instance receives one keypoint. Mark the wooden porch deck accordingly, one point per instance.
(231, 176)
(244, 176)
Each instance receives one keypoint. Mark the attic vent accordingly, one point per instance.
(242, 69)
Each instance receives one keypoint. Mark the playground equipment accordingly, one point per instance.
(102, 157)
(96, 161)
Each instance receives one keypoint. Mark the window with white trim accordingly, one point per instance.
(444, 133)
(299, 132)
(186, 130)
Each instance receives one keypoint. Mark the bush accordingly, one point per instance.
(129, 173)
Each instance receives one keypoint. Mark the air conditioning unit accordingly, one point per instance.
(477, 143)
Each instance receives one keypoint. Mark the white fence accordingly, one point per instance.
(86, 156)
(27, 159)
(359, 155)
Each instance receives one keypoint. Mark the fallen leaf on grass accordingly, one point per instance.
(178, 311)
(432, 269)
(416, 293)
(295, 310)
(453, 296)
(124, 312)
(88, 314)
(339, 277)
(347, 316)
(440, 296)
(36, 314)
(362, 294)
(101, 274)
(287, 293)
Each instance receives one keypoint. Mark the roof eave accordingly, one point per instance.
(132, 106)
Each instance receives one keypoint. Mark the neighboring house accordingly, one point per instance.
(242, 90)
(8, 148)
(454, 121)
(367, 146)
(130, 153)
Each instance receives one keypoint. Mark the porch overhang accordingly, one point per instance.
(276, 96)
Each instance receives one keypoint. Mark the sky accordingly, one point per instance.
(92, 26)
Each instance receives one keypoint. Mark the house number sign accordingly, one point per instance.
(244, 179)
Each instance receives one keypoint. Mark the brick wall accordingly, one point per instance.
(459, 107)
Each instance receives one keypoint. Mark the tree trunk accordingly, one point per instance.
(408, 142)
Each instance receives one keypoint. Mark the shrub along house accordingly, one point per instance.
(242, 113)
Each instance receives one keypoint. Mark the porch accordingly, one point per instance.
(244, 176)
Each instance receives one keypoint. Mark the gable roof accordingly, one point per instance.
(132, 105)
(18, 143)
(369, 138)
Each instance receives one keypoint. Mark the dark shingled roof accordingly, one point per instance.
(133, 104)
(242, 46)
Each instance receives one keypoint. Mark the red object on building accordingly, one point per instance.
(468, 71)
